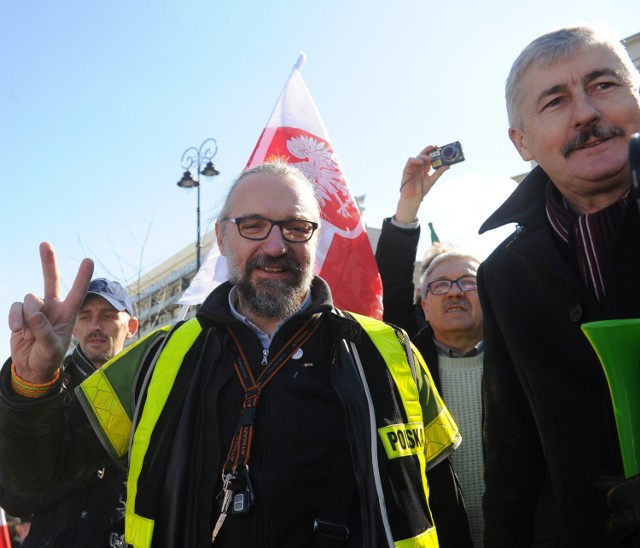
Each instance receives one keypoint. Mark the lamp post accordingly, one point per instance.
(193, 158)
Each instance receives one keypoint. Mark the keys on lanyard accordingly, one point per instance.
(237, 497)
(237, 492)
(240, 486)
(223, 514)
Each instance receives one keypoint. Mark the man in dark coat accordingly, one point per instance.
(549, 434)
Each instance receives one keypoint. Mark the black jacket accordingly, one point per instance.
(549, 429)
(86, 511)
(395, 255)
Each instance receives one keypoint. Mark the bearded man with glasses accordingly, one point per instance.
(270, 419)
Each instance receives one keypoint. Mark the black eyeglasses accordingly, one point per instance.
(257, 228)
(441, 287)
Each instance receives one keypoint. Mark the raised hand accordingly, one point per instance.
(417, 180)
(41, 328)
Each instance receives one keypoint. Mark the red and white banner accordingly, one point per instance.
(5, 538)
(295, 134)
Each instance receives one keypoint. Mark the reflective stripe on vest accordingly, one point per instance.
(430, 433)
(138, 529)
(428, 539)
(106, 396)
(440, 433)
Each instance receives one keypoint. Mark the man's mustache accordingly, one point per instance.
(593, 131)
(285, 262)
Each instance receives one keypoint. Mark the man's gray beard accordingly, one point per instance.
(270, 298)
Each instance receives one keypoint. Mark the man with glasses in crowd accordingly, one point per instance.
(269, 419)
(451, 344)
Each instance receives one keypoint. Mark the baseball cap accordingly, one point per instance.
(112, 292)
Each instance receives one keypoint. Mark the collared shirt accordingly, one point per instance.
(264, 337)
(445, 350)
(589, 237)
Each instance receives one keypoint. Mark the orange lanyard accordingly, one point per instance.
(240, 450)
(237, 492)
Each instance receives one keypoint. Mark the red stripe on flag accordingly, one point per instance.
(351, 286)
(5, 539)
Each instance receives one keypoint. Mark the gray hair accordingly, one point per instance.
(437, 248)
(452, 254)
(279, 169)
(555, 46)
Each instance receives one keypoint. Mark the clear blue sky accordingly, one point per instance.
(98, 100)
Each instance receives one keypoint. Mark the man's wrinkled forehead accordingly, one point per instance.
(581, 65)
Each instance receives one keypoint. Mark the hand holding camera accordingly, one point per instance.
(447, 155)
(420, 174)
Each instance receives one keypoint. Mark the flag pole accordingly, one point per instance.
(302, 59)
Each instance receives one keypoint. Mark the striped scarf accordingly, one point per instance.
(589, 238)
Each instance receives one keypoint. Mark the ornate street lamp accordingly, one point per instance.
(192, 159)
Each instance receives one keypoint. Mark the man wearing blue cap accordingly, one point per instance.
(105, 321)
(79, 514)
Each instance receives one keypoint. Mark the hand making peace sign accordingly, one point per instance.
(41, 328)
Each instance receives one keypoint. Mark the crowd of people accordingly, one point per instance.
(273, 418)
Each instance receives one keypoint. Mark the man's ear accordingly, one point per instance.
(219, 239)
(519, 140)
(425, 308)
(132, 327)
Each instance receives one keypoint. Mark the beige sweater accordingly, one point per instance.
(461, 382)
